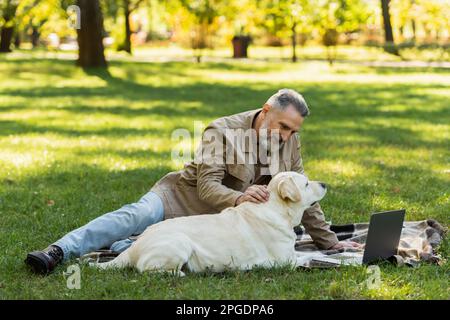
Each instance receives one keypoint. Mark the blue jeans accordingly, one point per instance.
(112, 229)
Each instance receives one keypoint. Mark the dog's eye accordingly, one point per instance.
(307, 184)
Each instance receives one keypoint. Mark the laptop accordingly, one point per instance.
(383, 237)
(382, 241)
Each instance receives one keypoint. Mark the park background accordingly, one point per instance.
(86, 117)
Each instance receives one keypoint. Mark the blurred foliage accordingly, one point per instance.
(203, 24)
(7, 11)
(48, 16)
(424, 19)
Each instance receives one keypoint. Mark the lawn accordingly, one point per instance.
(75, 145)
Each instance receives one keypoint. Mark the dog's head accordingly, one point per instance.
(296, 192)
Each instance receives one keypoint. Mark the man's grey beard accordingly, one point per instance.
(269, 144)
(267, 150)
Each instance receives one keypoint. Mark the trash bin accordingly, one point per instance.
(240, 45)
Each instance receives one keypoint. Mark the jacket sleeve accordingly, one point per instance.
(313, 218)
(211, 170)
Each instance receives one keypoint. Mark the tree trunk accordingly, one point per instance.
(199, 45)
(90, 38)
(330, 55)
(294, 42)
(6, 36)
(389, 45)
(413, 25)
(127, 41)
(34, 36)
(150, 21)
(7, 31)
(388, 35)
(17, 40)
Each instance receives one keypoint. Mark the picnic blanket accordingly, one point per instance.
(418, 242)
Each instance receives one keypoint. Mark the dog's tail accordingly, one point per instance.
(121, 261)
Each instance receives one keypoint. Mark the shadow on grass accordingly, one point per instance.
(9, 127)
(332, 106)
(80, 193)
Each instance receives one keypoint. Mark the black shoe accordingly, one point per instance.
(45, 261)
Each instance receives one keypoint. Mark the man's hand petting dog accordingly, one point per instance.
(346, 244)
(255, 193)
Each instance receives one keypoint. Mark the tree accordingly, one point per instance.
(204, 14)
(41, 18)
(434, 18)
(7, 10)
(401, 11)
(275, 22)
(388, 34)
(128, 7)
(90, 35)
(298, 12)
(288, 18)
(430, 15)
(334, 17)
(285, 17)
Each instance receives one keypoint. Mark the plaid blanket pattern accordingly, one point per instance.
(418, 242)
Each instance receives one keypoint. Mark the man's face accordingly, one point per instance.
(280, 124)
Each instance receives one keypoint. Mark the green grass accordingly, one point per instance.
(75, 145)
(172, 52)
(309, 52)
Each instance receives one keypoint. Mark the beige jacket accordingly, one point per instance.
(209, 187)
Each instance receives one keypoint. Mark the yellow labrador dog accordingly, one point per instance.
(239, 237)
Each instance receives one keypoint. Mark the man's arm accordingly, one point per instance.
(313, 218)
(211, 190)
(211, 170)
(314, 222)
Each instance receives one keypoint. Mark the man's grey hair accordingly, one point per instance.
(288, 97)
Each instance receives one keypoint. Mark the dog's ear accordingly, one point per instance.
(288, 190)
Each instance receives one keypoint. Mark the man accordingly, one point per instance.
(208, 184)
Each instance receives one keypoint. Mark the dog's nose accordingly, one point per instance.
(323, 185)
